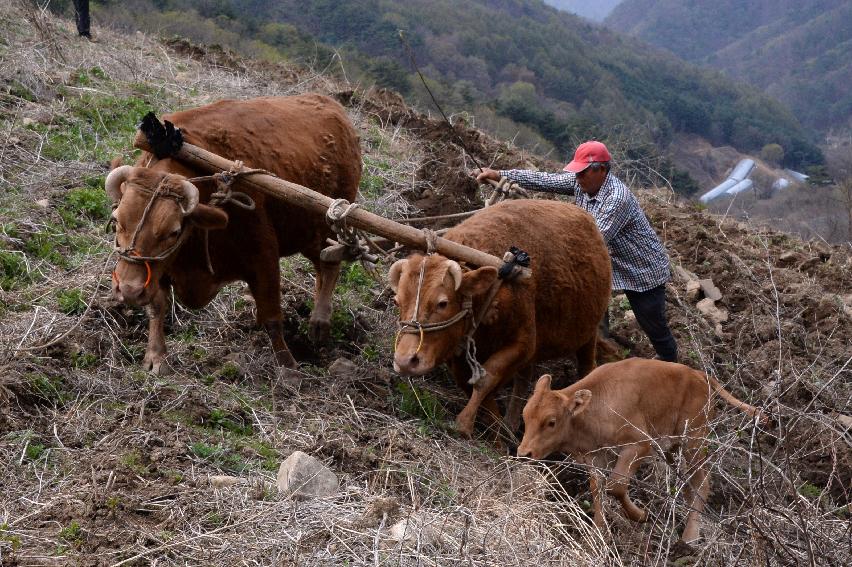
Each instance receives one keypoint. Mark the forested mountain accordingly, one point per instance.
(595, 11)
(799, 52)
(551, 75)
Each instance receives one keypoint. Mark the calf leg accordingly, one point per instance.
(155, 352)
(499, 366)
(596, 484)
(629, 460)
(266, 289)
(696, 491)
(319, 325)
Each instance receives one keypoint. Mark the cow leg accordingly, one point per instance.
(502, 364)
(696, 491)
(155, 352)
(319, 325)
(629, 460)
(265, 287)
(586, 358)
(520, 387)
(596, 484)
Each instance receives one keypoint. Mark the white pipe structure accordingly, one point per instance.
(739, 174)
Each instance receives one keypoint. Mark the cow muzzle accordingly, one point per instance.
(130, 288)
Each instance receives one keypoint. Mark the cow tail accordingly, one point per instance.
(607, 351)
(728, 397)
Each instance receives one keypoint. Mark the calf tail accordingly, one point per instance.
(728, 397)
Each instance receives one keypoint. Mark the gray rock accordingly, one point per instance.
(710, 290)
(343, 368)
(303, 477)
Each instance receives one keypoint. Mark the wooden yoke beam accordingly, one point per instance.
(319, 203)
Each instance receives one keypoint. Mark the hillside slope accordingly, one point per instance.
(558, 77)
(107, 465)
(798, 52)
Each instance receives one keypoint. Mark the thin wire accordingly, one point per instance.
(432, 96)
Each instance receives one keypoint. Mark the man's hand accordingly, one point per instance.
(483, 176)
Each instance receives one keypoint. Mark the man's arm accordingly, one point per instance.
(612, 216)
(562, 183)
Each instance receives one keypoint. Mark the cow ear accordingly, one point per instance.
(579, 403)
(476, 282)
(207, 217)
(543, 384)
(395, 273)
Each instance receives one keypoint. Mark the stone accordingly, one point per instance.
(629, 316)
(304, 477)
(683, 274)
(416, 529)
(708, 308)
(343, 368)
(710, 290)
(693, 290)
(224, 481)
(844, 420)
(43, 203)
(27, 121)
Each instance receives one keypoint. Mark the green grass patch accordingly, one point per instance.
(355, 277)
(89, 203)
(13, 270)
(35, 451)
(12, 539)
(72, 534)
(50, 389)
(420, 404)
(222, 420)
(84, 360)
(219, 457)
(71, 301)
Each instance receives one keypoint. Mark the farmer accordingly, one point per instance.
(640, 264)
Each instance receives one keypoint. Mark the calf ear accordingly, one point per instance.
(579, 403)
(476, 282)
(543, 384)
(395, 273)
(207, 217)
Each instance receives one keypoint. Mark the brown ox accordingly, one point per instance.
(554, 313)
(619, 413)
(306, 139)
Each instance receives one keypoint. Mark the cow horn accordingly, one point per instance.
(114, 180)
(190, 193)
(456, 272)
(395, 273)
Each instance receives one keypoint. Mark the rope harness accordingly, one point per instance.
(224, 195)
(513, 263)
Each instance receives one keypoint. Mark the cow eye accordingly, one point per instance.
(175, 233)
(443, 304)
(551, 423)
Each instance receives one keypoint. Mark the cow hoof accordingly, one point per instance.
(464, 427)
(285, 359)
(155, 365)
(319, 331)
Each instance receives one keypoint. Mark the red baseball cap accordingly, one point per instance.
(586, 154)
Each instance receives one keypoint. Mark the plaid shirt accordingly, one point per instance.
(639, 259)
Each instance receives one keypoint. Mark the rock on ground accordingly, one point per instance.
(303, 477)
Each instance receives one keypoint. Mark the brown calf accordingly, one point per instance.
(619, 413)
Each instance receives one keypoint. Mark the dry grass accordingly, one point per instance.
(106, 464)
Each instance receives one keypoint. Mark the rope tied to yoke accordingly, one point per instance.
(505, 188)
(359, 246)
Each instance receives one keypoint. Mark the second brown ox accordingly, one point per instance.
(306, 139)
(620, 413)
(552, 314)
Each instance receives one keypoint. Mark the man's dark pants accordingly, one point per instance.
(81, 10)
(650, 310)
